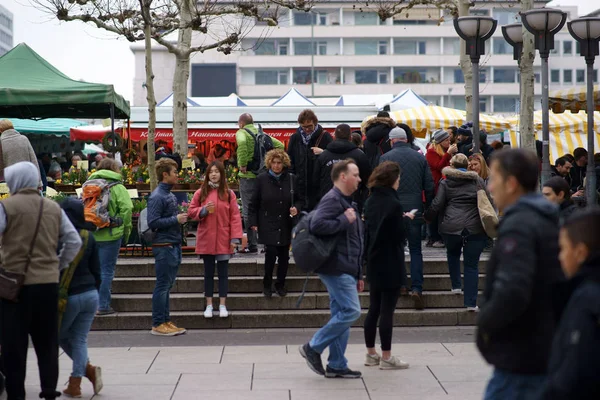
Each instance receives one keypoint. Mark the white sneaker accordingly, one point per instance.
(393, 363)
(406, 251)
(372, 360)
(208, 313)
(457, 291)
(473, 309)
(223, 312)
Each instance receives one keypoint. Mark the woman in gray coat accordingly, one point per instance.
(460, 225)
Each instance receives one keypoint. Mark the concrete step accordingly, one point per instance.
(279, 319)
(144, 267)
(254, 284)
(249, 302)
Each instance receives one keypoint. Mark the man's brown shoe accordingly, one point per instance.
(74, 388)
(176, 328)
(418, 300)
(163, 330)
(94, 374)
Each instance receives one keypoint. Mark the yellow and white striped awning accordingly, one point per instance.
(573, 99)
(567, 132)
(429, 118)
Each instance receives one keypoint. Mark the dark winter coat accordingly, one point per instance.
(337, 151)
(466, 147)
(269, 208)
(575, 356)
(456, 203)
(303, 162)
(577, 177)
(377, 133)
(566, 208)
(162, 215)
(329, 219)
(384, 239)
(554, 172)
(415, 178)
(486, 152)
(516, 323)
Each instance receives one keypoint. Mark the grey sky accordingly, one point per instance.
(85, 52)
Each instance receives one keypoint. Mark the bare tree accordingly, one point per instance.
(526, 127)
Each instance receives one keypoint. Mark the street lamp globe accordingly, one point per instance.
(475, 27)
(585, 28)
(513, 34)
(544, 23)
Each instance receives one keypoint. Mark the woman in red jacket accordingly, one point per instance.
(219, 230)
(438, 157)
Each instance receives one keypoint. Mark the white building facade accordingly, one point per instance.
(6, 30)
(354, 52)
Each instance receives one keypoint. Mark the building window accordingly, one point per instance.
(501, 46)
(567, 47)
(580, 75)
(504, 75)
(410, 75)
(265, 48)
(383, 77)
(577, 47)
(322, 48)
(483, 105)
(479, 12)
(366, 18)
(505, 17)
(302, 48)
(505, 104)
(304, 18)
(383, 47)
(283, 77)
(283, 49)
(322, 19)
(362, 76)
(366, 47)
(458, 76)
(556, 47)
(321, 77)
(302, 76)
(451, 46)
(405, 47)
(567, 76)
(537, 76)
(422, 47)
(555, 76)
(270, 77)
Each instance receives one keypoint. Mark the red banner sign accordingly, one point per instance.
(200, 135)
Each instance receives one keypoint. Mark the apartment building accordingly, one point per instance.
(337, 49)
(6, 30)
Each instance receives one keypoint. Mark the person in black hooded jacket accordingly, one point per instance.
(575, 356)
(82, 304)
(305, 145)
(557, 190)
(341, 149)
(377, 132)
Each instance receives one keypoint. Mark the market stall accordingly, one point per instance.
(573, 99)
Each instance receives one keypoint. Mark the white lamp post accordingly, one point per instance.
(475, 31)
(544, 23)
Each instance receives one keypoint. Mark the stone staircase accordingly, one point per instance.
(134, 283)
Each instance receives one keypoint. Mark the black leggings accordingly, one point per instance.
(209, 276)
(271, 255)
(35, 315)
(382, 306)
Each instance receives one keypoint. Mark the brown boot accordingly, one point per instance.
(74, 388)
(94, 374)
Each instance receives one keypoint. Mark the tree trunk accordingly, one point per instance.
(180, 81)
(151, 98)
(526, 127)
(465, 63)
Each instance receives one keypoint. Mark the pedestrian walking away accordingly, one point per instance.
(384, 254)
(516, 322)
(165, 220)
(219, 230)
(81, 281)
(377, 133)
(39, 240)
(342, 275)
(273, 210)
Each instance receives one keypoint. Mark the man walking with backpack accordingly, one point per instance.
(342, 274)
(252, 145)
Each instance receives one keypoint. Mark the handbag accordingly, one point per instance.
(12, 282)
(67, 277)
(487, 214)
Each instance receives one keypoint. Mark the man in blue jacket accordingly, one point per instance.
(416, 180)
(342, 275)
(164, 220)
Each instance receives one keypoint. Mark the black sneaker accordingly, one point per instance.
(342, 373)
(268, 292)
(281, 291)
(110, 311)
(313, 359)
(248, 250)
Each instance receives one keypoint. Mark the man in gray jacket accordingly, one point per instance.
(15, 148)
(415, 181)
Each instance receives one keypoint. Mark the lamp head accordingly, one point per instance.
(587, 32)
(475, 31)
(544, 23)
(513, 34)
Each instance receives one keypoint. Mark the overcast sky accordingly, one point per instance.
(85, 52)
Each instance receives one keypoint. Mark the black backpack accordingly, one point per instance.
(310, 251)
(262, 145)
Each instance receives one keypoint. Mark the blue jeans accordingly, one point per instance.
(414, 229)
(76, 324)
(108, 252)
(345, 310)
(166, 262)
(506, 385)
(471, 246)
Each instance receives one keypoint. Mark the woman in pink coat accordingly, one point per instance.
(219, 230)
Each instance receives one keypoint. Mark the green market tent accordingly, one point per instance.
(31, 88)
(50, 126)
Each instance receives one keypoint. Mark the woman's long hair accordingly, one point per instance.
(485, 172)
(223, 188)
(439, 149)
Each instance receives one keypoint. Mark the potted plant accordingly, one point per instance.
(142, 178)
(233, 179)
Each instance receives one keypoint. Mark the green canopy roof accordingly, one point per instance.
(49, 126)
(32, 88)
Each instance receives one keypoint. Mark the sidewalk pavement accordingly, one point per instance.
(438, 371)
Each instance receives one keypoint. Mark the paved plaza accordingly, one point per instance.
(439, 371)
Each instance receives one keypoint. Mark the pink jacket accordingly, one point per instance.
(216, 230)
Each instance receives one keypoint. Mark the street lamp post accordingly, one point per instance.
(544, 23)
(513, 34)
(587, 32)
(475, 31)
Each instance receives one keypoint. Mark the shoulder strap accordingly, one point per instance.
(67, 277)
(35, 234)
(320, 138)
(250, 132)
